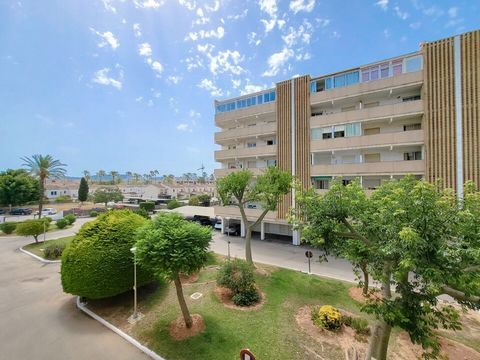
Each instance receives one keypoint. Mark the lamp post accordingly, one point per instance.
(135, 315)
(228, 237)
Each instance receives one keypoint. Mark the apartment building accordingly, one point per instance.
(416, 114)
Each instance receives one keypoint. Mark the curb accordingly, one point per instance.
(119, 332)
(45, 261)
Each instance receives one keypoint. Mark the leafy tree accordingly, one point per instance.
(266, 189)
(107, 194)
(173, 204)
(168, 245)
(83, 190)
(204, 199)
(44, 167)
(17, 187)
(415, 238)
(193, 201)
(86, 175)
(32, 228)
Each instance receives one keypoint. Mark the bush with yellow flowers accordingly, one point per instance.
(327, 317)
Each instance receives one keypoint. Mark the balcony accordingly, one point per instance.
(413, 137)
(376, 168)
(403, 109)
(367, 87)
(219, 173)
(261, 111)
(259, 151)
(246, 132)
(252, 214)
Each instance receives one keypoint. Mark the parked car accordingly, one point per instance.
(21, 211)
(218, 225)
(2, 211)
(47, 211)
(202, 220)
(233, 229)
(252, 206)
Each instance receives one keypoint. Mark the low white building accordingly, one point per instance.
(54, 189)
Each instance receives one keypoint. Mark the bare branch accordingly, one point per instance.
(459, 295)
(353, 231)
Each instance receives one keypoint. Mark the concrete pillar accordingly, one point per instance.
(224, 225)
(262, 231)
(243, 229)
(296, 237)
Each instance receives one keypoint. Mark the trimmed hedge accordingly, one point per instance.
(98, 263)
(8, 227)
(148, 206)
(70, 218)
(61, 223)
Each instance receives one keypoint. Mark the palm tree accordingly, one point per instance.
(136, 177)
(101, 174)
(156, 172)
(113, 174)
(129, 176)
(44, 167)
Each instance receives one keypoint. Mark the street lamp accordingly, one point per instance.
(228, 237)
(134, 317)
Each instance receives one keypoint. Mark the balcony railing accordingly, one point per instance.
(246, 132)
(377, 168)
(264, 111)
(259, 151)
(219, 173)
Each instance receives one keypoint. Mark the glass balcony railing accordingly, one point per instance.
(245, 102)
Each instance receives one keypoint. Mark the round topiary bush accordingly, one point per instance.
(70, 218)
(8, 227)
(61, 223)
(93, 213)
(98, 263)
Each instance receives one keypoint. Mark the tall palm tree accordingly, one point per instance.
(156, 173)
(129, 176)
(44, 167)
(136, 177)
(101, 174)
(114, 175)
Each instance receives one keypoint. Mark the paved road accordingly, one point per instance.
(39, 321)
(283, 254)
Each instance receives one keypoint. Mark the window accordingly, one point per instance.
(251, 145)
(252, 164)
(412, 127)
(384, 70)
(321, 183)
(252, 124)
(397, 66)
(232, 147)
(354, 129)
(327, 133)
(370, 105)
(339, 131)
(365, 75)
(411, 98)
(271, 142)
(316, 134)
(412, 155)
(413, 63)
(271, 163)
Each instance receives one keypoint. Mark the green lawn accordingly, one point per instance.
(37, 248)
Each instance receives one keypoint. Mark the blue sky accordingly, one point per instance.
(128, 85)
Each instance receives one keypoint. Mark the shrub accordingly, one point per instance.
(148, 206)
(194, 201)
(62, 223)
(98, 262)
(360, 326)
(63, 198)
(48, 219)
(236, 275)
(327, 317)
(173, 204)
(246, 298)
(143, 213)
(53, 251)
(32, 228)
(70, 218)
(93, 213)
(8, 227)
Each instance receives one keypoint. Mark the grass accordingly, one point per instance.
(270, 332)
(37, 248)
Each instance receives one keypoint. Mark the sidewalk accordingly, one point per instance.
(284, 255)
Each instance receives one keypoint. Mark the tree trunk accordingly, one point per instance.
(182, 302)
(40, 198)
(248, 244)
(378, 344)
(363, 267)
(36, 238)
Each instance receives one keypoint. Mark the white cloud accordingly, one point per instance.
(106, 38)
(335, 35)
(415, 25)
(139, 99)
(183, 127)
(207, 48)
(269, 24)
(108, 6)
(190, 5)
(145, 49)
(174, 79)
(194, 63)
(200, 12)
(136, 30)
(194, 114)
(269, 6)
(277, 60)
(303, 34)
(202, 34)
(386, 33)
(211, 87)
(252, 39)
(453, 11)
(214, 7)
(323, 22)
(101, 77)
(236, 83)
(302, 5)
(156, 66)
(226, 61)
(383, 4)
(401, 14)
(248, 89)
(242, 15)
(148, 4)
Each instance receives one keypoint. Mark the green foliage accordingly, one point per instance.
(246, 298)
(360, 325)
(47, 219)
(148, 206)
(32, 228)
(194, 201)
(98, 263)
(53, 251)
(169, 245)
(61, 223)
(204, 199)
(8, 227)
(405, 227)
(63, 199)
(106, 194)
(17, 187)
(83, 190)
(327, 317)
(70, 218)
(173, 204)
(238, 276)
(93, 213)
(143, 213)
